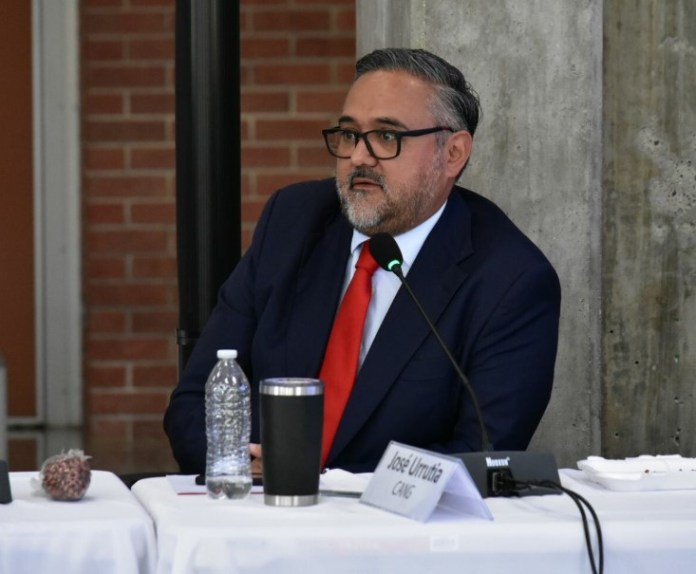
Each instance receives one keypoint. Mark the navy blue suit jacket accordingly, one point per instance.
(492, 294)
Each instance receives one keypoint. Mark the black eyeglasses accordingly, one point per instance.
(381, 144)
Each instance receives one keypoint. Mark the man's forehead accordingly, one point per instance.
(385, 121)
(387, 98)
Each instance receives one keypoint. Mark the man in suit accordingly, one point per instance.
(403, 139)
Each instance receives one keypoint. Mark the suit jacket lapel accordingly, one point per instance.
(318, 288)
(435, 277)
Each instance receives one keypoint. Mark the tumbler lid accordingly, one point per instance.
(227, 354)
(291, 386)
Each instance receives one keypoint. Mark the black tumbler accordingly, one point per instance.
(292, 417)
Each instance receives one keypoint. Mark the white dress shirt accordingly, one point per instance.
(384, 283)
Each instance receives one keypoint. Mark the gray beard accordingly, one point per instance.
(387, 216)
(360, 219)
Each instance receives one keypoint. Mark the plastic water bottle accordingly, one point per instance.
(228, 428)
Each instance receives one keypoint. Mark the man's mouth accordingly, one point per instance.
(364, 184)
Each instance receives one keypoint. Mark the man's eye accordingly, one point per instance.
(387, 136)
(348, 136)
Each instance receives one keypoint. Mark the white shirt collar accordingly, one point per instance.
(409, 243)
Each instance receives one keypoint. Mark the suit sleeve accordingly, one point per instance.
(231, 325)
(511, 365)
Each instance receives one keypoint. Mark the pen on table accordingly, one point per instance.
(340, 493)
(258, 481)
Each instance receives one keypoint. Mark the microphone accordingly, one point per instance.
(492, 471)
(386, 252)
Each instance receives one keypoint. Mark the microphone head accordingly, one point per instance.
(386, 251)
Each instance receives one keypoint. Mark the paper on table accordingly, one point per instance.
(337, 481)
(334, 481)
(186, 484)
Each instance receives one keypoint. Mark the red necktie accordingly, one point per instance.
(343, 349)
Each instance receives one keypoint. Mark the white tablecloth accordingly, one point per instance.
(105, 532)
(643, 532)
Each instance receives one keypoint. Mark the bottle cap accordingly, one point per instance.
(227, 354)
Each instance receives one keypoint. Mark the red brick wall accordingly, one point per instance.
(297, 62)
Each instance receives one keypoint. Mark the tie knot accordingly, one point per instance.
(366, 261)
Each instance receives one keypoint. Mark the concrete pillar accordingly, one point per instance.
(560, 109)
(649, 255)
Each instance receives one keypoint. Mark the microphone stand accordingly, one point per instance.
(495, 472)
(485, 443)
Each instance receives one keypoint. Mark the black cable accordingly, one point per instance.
(509, 487)
(578, 500)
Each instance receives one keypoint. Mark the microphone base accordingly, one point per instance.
(492, 470)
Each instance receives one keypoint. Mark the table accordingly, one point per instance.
(643, 532)
(105, 532)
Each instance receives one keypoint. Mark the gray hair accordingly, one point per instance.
(455, 104)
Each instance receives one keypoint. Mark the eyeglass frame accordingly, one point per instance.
(363, 135)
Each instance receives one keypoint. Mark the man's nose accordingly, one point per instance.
(361, 154)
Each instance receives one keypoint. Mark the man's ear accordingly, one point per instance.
(458, 151)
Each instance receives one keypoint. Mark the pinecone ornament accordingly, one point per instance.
(66, 476)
